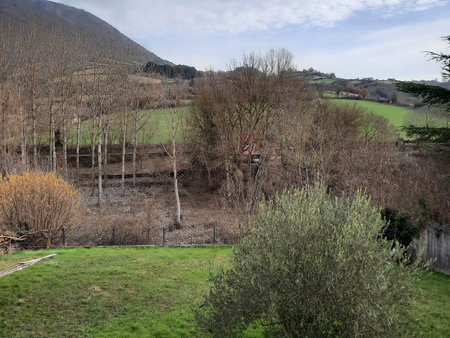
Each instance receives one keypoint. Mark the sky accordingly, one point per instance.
(351, 38)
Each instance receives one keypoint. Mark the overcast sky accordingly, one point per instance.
(352, 38)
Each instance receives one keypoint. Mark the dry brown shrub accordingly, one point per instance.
(37, 205)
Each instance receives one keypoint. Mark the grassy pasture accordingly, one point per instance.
(396, 115)
(142, 292)
(327, 82)
(155, 130)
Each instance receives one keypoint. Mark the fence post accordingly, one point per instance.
(164, 236)
(64, 236)
(214, 234)
(114, 236)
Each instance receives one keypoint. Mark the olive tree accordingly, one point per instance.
(313, 266)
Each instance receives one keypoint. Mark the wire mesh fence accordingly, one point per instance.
(124, 236)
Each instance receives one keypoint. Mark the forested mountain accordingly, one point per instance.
(96, 34)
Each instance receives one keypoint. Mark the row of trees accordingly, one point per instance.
(171, 71)
(50, 86)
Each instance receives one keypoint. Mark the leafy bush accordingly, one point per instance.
(312, 266)
(398, 227)
(37, 205)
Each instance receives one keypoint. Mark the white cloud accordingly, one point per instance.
(396, 52)
(209, 17)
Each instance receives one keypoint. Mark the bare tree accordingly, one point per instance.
(139, 101)
(175, 119)
(124, 146)
(237, 115)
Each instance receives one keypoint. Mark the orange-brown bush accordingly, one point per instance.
(39, 205)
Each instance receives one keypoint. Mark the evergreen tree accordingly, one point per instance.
(433, 96)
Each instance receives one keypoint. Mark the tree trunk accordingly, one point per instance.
(23, 145)
(51, 138)
(136, 129)
(4, 104)
(228, 181)
(99, 149)
(105, 156)
(64, 143)
(175, 179)
(33, 116)
(124, 145)
(93, 156)
(53, 146)
(79, 106)
(4, 131)
(78, 145)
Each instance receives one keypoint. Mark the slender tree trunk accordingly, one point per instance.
(52, 145)
(79, 105)
(33, 116)
(105, 156)
(207, 170)
(65, 143)
(175, 178)
(4, 130)
(93, 156)
(50, 139)
(32, 79)
(23, 147)
(136, 129)
(23, 143)
(78, 144)
(228, 181)
(4, 105)
(99, 149)
(124, 146)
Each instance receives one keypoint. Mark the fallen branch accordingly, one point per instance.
(24, 265)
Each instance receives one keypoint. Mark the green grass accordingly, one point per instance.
(322, 81)
(156, 128)
(111, 292)
(330, 95)
(396, 115)
(432, 309)
(107, 292)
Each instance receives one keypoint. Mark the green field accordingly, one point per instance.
(322, 81)
(156, 128)
(396, 115)
(138, 292)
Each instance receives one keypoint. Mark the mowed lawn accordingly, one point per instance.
(112, 292)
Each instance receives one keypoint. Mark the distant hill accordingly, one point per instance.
(98, 34)
(383, 91)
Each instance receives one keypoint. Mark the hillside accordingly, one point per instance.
(97, 34)
(382, 91)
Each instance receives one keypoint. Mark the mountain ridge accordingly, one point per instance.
(49, 12)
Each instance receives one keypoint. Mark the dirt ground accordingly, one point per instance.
(138, 217)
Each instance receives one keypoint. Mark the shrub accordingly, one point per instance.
(37, 205)
(312, 266)
(398, 226)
